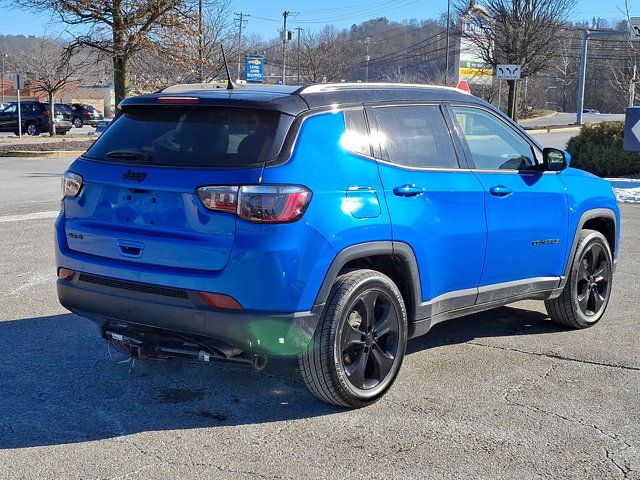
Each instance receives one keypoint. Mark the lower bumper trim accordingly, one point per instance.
(250, 331)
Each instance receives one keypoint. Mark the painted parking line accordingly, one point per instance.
(29, 216)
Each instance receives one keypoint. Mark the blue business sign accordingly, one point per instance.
(254, 68)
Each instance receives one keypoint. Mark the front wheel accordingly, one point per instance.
(359, 342)
(78, 122)
(586, 294)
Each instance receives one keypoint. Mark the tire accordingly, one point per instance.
(78, 122)
(586, 294)
(31, 129)
(345, 366)
(64, 132)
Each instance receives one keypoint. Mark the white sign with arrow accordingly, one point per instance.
(634, 28)
(508, 72)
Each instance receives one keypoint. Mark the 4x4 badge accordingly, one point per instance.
(135, 176)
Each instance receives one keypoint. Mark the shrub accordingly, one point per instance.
(598, 149)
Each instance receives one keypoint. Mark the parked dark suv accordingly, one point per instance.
(332, 222)
(34, 117)
(84, 114)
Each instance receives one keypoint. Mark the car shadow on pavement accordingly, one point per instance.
(60, 384)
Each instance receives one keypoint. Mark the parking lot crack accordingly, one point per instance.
(622, 445)
(556, 356)
(623, 469)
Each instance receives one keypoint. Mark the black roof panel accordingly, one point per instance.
(294, 100)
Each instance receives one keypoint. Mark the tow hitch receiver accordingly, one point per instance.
(140, 342)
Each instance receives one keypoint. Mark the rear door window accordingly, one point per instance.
(414, 136)
(356, 137)
(192, 136)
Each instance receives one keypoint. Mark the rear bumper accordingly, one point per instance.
(159, 307)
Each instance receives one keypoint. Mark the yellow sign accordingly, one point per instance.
(474, 72)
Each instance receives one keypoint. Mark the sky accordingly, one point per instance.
(266, 15)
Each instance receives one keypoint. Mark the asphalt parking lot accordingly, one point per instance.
(502, 394)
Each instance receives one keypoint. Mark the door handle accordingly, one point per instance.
(500, 191)
(408, 190)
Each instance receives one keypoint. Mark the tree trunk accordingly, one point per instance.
(120, 56)
(120, 78)
(512, 105)
(52, 116)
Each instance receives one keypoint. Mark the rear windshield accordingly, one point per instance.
(191, 137)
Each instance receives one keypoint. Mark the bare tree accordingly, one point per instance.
(50, 66)
(117, 28)
(323, 56)
(173, 55)
(524, 32)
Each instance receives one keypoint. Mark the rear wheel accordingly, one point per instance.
(32, 129)
(359, 343)
(586, 294)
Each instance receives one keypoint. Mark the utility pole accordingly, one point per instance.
(367, 41)
(4, 56)
(299, 29)
(240, 18)
(285, 14)
(200, 43)
(446, 68)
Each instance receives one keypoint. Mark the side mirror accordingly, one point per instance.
(555, 160)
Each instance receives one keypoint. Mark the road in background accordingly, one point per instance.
(570, 119)
(503, 394)
(555, 138)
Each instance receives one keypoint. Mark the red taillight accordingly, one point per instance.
(65, 273)
(218, 300)
(177, 100)
(45, 113)
(258, 203)
(85, 113)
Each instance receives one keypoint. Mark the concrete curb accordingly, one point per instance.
(45, 154)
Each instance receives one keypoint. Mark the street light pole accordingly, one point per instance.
(446, 68)
(586, 35)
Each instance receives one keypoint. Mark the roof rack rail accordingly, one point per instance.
(327, 87)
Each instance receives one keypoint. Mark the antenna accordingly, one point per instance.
(230, 85)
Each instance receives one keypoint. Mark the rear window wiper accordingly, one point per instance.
(130, 155)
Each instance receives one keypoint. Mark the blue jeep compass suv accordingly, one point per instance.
(331, 222)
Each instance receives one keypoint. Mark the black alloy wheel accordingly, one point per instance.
(586, 294)
(369, 339)
(359, 342)
(593, 280)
